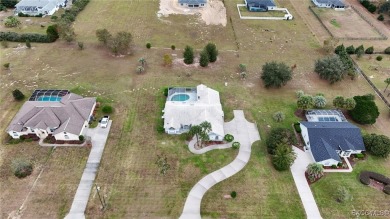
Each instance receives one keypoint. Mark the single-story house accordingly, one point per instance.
(186, 107)
(36, 7)
(64, 117)
(330, 140)
(193, 3)
(335, 4)
(260, 5)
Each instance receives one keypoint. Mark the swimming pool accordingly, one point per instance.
(48, 98)
(180, 97)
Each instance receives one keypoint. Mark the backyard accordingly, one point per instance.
(128, 175)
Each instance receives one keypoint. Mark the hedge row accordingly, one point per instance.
(22, 37)
(365, 177)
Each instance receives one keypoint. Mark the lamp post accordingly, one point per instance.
(102, 201)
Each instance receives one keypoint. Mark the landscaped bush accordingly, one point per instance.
(379, 58)
(359, 156)
(279, 136)
(148, 45)
(334, 166)
(350, 50)
(370, 50)
(166, 90)
(21, 167)
(233, 194)
(107, 109)
(279, 116)
(368, 5)
(11, 22)
(387, 50)
(81, 137)
(381, 17)
(236, 145)
(340, 164)
(20, 14)
(22, 37)
(173, 47)
(6, 65)
(377, 145)
(386, 189)
(228, 138)
(297, 127)
(365, 111)
(365, 177)
(18, 95)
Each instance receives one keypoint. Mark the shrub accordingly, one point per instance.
(315, 170)
(188, 55)
(342, 194)
(360, 48)
(365, 177)
(228, 138)
(275, 74)
(386, 189)
(379, 58)
(233, 194)
(350, 49)
(242, 67)
(339, 48)
(18, 95)
(21, 167)
(359, 156)
(334, 166)
(378, 145)
(212, 52)
(381, 17)
(28, 44)
(370, 50)
(103, 36)
(173, 47)
(365, 111)
(297, 127)
(330, 68)
(387, 50)
(6, 65)
(166, 91)
(340, 164)
(299, 93)
(279, 136)
(168, 60)
(4, 44)
(22, 37)
(204, 59)
(11, 22)
(148, 45)
(81, 45)
(319, 101)
(107, 109)
(236, 145)
(52, 33)
(279, 116)
(54, 18)
(283, 157)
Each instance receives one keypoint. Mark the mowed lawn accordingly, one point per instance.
(128, 175)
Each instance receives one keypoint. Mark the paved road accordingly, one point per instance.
(244, 132)
(99, 137)
(298, 171)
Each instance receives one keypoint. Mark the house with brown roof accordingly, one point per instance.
(64, 117)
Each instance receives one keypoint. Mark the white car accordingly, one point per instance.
(104, 121)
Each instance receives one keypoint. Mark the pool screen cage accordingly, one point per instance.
(48, 93)
(327, 113)
(182, 90)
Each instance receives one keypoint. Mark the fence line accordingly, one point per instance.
(372, 84)
(383, 36)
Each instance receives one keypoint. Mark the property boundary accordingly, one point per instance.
(371, 84)
(287, 16)
(383, 36)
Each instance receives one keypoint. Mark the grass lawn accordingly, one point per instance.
(363, 197)
(128, 175)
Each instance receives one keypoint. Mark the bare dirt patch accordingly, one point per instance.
(214, 13)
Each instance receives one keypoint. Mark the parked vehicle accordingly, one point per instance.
(104, 121)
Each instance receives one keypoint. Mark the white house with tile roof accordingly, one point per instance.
(36, 7)
(65, 119)
(186, 107)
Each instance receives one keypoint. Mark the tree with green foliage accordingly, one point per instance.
(18, 95)
(387, 50)
(299, 93)
(6, 65)
(188, 55)
(279, 116)
(276, 74)
(142, 61)
(81, 45)
(21, 167)
(212, 51)
(339, 102)
(162, 163)
(378, 145)
(305, 102)
(347, 61)
(284, 157)
(9, 3)
(349, 104)
(350, 50)
(107, 109)
(385, 8)
(66, 31)
(121, 43)
(379, 58)
(329, 44)
(204, 58)
(339, 48)
(28, 44)
(52, 32)
(387, 81)
(279, 136)
(365, 111)
(330, 68)
(342, 194)
(315, 169)
(148, 45)
(167, 60)
(359, 48)
(103, 36)
(319, 101)
(196, 131)
(11, 21)
(381, 17)
(370, 50)
(242, 67)
(206, 128)
(359, 53)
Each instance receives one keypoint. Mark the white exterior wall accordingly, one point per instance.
(321, 5)
(213, 137)
(305, 135)
(188, 6)
(329, 162)
(61, 136)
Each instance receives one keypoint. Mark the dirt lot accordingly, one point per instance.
(346, 23)
(213, 13)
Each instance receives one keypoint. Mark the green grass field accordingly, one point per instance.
(128, 174)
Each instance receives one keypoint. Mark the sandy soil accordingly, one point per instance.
(214, 13)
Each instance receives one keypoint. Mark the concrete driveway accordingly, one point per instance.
(98, 137)
(298, 170)
(244, 132)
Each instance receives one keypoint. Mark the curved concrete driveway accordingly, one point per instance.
(298, 170)
(244, 132)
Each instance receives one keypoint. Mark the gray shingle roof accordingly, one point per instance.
(327, 137)
(191, 2)
(258, 3)
(331, 2)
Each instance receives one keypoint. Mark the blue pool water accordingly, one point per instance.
(49, 98)
(180, 97)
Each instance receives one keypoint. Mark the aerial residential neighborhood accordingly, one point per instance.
(195, 109)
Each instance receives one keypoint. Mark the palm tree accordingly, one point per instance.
(387, 81)
(197, 131)
(140, 69)
(205, 129)
(315, 169)
(142, 61)
(319, 101)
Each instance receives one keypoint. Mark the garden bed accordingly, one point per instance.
(308, 180)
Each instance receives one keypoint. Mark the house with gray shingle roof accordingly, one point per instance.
(335, 4)
(328, 140)
(193, 3)
(65, 119)
(260, 5)
(36, 7)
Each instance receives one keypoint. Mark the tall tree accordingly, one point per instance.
(276, 74)
(206, 128)
(378, 145)
(387, 81)
(204, 59)
(330, 68)
(212, 51)
(121, 43)
(279, 136)
(188, 55)
(284, 157)
(365, 111)
(197, 131)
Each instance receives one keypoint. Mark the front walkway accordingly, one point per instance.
(191, 147)
(298, 170)
(244, 132)
(99, 137)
